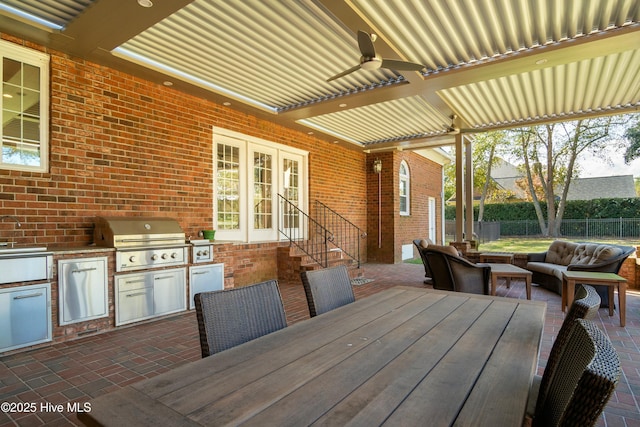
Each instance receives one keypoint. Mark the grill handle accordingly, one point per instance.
(151, 239)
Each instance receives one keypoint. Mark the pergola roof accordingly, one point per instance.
(489, 64)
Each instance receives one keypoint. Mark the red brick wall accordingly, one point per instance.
(121, 145)
(396, 230)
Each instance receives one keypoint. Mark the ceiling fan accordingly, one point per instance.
(370, 61)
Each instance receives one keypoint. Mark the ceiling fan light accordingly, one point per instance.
(371, 64)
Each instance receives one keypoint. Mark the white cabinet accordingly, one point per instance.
(82, 290)
(25, 316)
(142, 296)
(205, 278)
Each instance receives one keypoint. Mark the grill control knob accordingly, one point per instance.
(205, 252)
(154, 257)
(199, 253)
(132, 258)
(174, 255)
(165, 256)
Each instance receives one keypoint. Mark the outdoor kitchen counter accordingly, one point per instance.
(73, 250)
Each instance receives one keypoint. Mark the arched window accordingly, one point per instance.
(404, 188)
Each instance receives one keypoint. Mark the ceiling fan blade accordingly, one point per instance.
(401, 65)
(366, 44)
(344, 73)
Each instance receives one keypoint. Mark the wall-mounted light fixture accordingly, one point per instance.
(377, 166)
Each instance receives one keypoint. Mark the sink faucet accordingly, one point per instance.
(14, 218)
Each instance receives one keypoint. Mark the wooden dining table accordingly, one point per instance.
(405, 356)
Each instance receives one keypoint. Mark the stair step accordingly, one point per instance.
(291, 261)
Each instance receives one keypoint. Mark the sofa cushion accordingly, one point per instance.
(547, 268)
(424, 243)
(603, 253)
(560, 252)
(583, 253)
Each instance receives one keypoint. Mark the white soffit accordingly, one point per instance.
(58, 12)
(445, 34)
(276, 55)
(553, 92)
(400, 119)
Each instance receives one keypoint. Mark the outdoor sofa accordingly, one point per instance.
(562, 255)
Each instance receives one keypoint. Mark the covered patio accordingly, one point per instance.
(373, 76)
(77, 371)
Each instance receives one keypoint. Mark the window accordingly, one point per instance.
(249, 174)
(404, 188)
(25, 108)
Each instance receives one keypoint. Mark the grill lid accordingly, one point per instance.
(129, 232)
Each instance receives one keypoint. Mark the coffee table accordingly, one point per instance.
(570, 278)
(508, 272)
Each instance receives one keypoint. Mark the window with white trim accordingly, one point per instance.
(404, 188)
(25, 108)
(249, 173)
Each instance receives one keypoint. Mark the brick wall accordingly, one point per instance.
(396, 230)
(121, 145)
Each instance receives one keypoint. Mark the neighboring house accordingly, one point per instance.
(506, 175)
(606, 187)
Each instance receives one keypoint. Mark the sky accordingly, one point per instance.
(592, 166)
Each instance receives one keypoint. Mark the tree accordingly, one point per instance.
(550, 154)
(484, 158)
(486, 147)
(633, 137)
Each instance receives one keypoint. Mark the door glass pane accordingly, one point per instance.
(291, 185)
(228, 187)
(262, 197)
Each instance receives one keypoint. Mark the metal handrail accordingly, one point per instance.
(304, 232)
(346, 234)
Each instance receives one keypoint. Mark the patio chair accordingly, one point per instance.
(327, 289)
(586, 375)
(454, 273)
(585, 306)
(423, 244)
(231, 317)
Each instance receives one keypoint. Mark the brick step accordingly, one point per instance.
(291, 261)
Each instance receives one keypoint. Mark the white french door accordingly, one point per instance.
(263, 162)
(248, 175)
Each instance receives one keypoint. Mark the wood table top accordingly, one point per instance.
(405, 356)
(593, 275)
(507, 268)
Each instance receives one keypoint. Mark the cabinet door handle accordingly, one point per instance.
(39, 294)
(164, 277)
(200, 272)
(82, 270)
(136, 294)
(128, 282)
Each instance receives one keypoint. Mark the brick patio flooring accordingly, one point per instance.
(79, 370)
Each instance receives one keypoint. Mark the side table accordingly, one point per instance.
(508, 272)
(570, 278)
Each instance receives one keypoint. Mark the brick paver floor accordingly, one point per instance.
(76, 371)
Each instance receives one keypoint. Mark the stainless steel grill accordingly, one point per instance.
(142, 242)
(128, 232)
